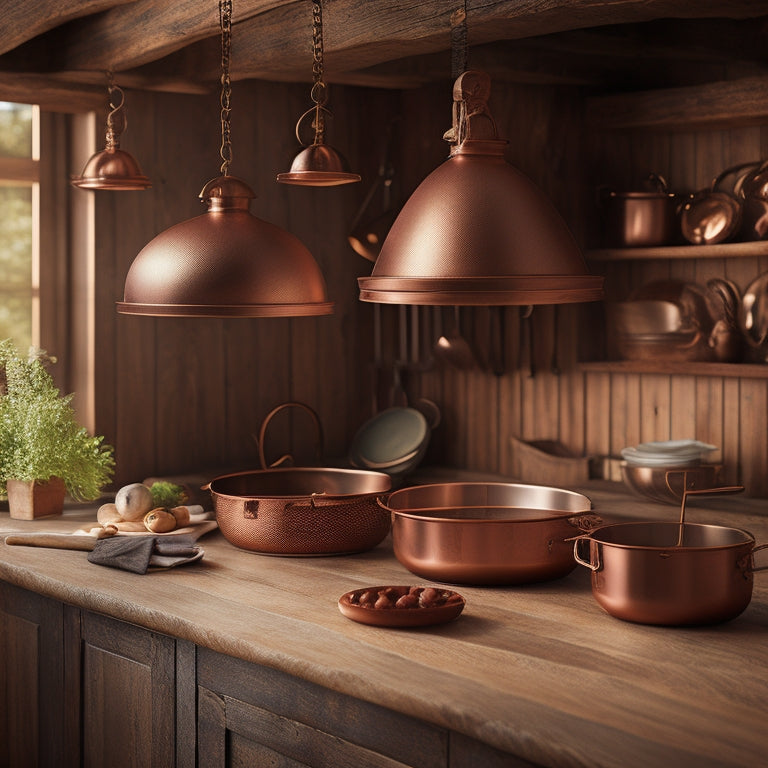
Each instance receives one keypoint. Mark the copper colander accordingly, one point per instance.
(302, 511)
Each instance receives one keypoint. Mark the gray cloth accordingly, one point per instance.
(134, 553)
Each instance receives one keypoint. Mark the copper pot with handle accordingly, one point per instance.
(642, 218)
(671, 573)
(487, 533)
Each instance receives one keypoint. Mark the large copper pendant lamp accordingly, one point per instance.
(225, 262)
(477, 231)
(113, 168)
(317, 165)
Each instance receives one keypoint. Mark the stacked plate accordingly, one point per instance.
(669, 453)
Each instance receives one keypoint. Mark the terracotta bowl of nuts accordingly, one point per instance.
(401, 606)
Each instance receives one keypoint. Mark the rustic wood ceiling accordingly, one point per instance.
(56, 52)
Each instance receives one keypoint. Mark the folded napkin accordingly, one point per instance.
(137, 553)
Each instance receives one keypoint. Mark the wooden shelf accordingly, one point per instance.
(672, 367)
(720, 251)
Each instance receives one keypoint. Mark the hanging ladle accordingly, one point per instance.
(453, 348)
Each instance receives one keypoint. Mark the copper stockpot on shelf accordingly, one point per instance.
(641, 218)
(670, 573)
(487, 533)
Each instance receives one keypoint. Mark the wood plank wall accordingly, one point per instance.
(182, 395)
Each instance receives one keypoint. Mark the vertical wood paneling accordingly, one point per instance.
(177, 394)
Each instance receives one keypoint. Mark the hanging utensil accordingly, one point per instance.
(498, 351)
(398, 395)
(554, 367)
(453, 348)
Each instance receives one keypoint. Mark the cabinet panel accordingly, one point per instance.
(31, 680)
(239, 702)
(127, 694)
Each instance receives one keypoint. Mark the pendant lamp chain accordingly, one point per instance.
(225, 21)
(317, 165)
(116, 119)
(319, 93)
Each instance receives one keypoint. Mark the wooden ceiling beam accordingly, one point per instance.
(271, 38)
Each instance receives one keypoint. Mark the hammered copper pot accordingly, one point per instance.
(302, 511)
(670, 574)
(487, 533)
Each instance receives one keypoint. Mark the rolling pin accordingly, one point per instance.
(53, 541)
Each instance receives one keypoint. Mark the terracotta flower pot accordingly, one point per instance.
(28, 500)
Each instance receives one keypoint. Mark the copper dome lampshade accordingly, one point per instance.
(317, 165)
(113, 168)
(225, 262)
(477, 231)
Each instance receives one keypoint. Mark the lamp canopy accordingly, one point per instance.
(225, 262)
(477, 231)
(113, 168)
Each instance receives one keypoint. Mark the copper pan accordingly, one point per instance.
(670, 573)
(301, 511)
(487, 533)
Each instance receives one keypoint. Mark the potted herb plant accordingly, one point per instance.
(44, 452)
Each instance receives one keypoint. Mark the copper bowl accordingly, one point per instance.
(298, 511)
(666, 484)
(487, 533)
(669, 573)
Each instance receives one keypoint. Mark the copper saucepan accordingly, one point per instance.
(487, 533)
(672, 574)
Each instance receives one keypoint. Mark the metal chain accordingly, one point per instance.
(116, 119)
(319, 92)
(225, 21)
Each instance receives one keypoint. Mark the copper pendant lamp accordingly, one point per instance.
(317, 165)
(113, 168)
(225, 262)
(477, 231)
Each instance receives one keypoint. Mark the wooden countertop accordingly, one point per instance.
(537, 670)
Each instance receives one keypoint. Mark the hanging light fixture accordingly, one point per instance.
(113, 168)
(225, 262)
(477, 231)
(317, 165)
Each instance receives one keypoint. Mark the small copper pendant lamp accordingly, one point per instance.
(113, 168)
(317, 165)
(225, 262)
(477, 231)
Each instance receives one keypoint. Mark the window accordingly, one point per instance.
(19, 223)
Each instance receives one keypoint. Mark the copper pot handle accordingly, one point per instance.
(759, 567)
(287, 456)
(579, 559)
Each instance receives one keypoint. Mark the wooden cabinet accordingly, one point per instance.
(252, 715)
(81, 689)
(126, 694)
(32, 717)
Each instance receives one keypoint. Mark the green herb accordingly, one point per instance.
(168, 495)
(40, 437)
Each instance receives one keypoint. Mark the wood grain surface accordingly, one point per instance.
(538, 670)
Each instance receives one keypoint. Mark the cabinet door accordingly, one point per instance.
(127, 695)
(253, 715)
(32, 711)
